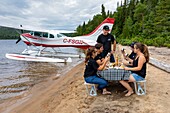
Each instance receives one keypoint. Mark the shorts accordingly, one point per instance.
(137, 77)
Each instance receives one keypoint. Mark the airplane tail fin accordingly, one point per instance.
(108, 21)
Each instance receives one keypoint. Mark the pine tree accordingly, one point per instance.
(162, 18)
(103, 12)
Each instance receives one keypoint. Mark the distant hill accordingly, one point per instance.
(8, 33)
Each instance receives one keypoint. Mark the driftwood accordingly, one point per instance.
(159, 64)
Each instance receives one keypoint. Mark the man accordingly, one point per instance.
(108, 41)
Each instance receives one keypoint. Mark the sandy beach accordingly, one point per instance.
(67, 94)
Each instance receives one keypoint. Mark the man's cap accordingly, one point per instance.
(106, 28)
(132, 44)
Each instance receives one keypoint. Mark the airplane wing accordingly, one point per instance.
(21, 27)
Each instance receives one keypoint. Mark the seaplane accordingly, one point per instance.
(38, 41)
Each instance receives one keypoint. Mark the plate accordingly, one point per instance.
(116, 67)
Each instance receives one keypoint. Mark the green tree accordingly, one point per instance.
(103, 12)
(127, 29)
(162, 18)
(139, 14)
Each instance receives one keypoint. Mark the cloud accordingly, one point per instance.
(51, 14)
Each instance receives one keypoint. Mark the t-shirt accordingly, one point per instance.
(91, 68)
(141, 72)
(98, 57)
(132, 55)
(106, 40)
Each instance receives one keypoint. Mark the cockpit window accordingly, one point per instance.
(59, 35)
(37, 34)
(31, 33)
(51, 36)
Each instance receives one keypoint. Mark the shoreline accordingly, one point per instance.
(13, 102)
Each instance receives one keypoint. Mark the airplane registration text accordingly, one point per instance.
(73, 41)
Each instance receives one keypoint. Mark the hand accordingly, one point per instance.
(123, 52)
(107, 58)
(127, 58)
(112, 52)
(126, 68)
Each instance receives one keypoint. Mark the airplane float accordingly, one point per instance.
(40, 40)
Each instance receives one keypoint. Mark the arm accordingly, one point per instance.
(124, 54)
(99, 62)
(114, 45)
(125, 62)
(98, 39)
(102, 66)
(129, 60)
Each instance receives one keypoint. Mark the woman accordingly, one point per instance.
(90, 73)
(99, 58)
(138, 68)
(129, 58)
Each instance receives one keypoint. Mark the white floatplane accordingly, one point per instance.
(41, 40)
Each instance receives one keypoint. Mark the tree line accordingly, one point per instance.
(146, 21)
(8, 33)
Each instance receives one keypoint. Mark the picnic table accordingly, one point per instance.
(114, 74)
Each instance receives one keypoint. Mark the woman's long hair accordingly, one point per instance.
(89, 53)
(144, 49)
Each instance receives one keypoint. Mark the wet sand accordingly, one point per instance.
(67, 94)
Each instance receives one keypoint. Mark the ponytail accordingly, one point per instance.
(146, 53)
(144, 49)
(89, 54)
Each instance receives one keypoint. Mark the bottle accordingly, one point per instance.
(122, 66)
(117, 61)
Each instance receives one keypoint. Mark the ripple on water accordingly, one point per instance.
(30, 74)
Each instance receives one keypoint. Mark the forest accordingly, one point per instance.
(8, 33)
(146, 21)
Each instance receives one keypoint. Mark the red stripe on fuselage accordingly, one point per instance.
(46, 45)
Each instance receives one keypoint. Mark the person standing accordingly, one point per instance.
(108, 41)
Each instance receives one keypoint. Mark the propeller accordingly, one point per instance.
(19, 38)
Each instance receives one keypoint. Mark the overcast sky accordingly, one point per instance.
(51, 14)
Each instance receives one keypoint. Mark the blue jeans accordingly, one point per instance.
(102, 83)
(137, 77)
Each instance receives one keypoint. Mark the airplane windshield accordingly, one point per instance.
(62, 35)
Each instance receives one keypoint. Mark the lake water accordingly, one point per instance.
(16, 77)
